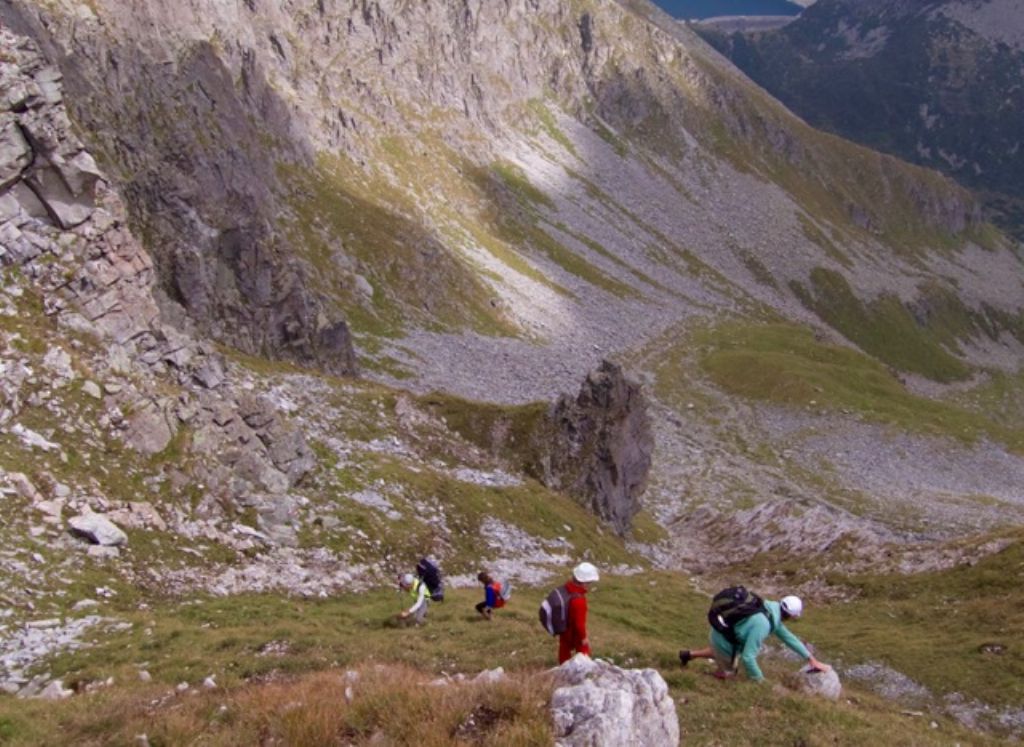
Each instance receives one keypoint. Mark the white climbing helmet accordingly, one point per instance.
(792, 606)
(585, 573)
(406, 580)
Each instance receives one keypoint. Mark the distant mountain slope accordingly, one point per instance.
(690, 9)
(560, 180)
(937, 82)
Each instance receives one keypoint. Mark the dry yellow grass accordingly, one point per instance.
(382, 704)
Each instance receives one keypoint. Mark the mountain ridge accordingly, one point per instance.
(953, 105)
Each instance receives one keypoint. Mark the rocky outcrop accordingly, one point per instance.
(43, 173)
(189, 151)
(94, 279)
(596, 446)
(601, 445)
(97, 529)
(597, 704)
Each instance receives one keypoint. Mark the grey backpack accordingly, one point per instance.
(554, 611)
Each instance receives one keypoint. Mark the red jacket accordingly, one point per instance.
(576, 631)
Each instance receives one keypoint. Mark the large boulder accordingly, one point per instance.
(597, 704)
(43, 171)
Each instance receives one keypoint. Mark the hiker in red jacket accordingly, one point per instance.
(575, 639)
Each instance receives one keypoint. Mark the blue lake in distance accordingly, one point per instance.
(687, 9)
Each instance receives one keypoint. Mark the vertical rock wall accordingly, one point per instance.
(601, 445)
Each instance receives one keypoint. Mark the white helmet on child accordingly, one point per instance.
(792, 606)
(585, 573)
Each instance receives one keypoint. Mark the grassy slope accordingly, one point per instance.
(785, 364)
(636, 621)
(954, 630)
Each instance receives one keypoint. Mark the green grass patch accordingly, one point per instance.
(598, 248)
(757, 268)
(618, 144)
(502, 250)
(538, 511)
(785, 364)
(343, 215)
(817, 236)
(516, 181)
(960, 629)
(547, 120)
(515, 432)
(262, 649)
(516, 220)
(884, 328)
(1000, 397)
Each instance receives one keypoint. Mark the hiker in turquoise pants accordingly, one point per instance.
(750, 636)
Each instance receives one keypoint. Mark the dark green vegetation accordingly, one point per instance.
(906, 81)
(883, 328)
(263, 649)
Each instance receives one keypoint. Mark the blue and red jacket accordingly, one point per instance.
(492, 595)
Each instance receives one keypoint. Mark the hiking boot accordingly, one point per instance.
(685, 656)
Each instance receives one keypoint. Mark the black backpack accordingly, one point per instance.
(733, 605)
(430, 574)
(554, 611)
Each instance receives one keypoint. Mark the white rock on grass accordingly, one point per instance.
(103, 552)
(32, 439)
(490, 676)
(53, 510)
(24, 486)
(98, 529)
(598, 704)
(58, 361)
(55, 691)
(824, 684)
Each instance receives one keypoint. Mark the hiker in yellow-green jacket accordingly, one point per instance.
(750, 634)
(418, 590)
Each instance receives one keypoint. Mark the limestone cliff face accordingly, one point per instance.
(571, 174)
(65, 232)
(191, 156)
(198, 108)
